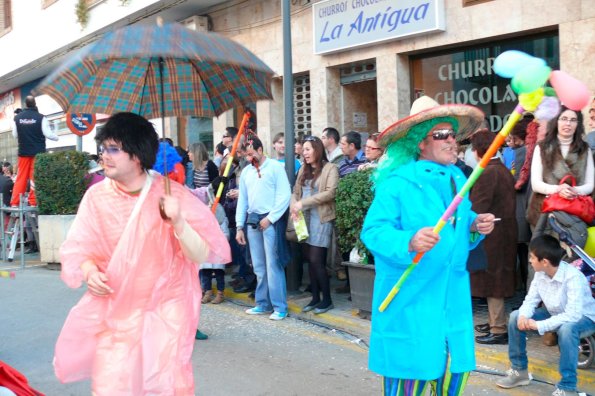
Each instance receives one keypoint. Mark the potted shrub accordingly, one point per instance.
(354, 197)
(60, 183)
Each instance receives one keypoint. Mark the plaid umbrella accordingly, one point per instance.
(141, 68)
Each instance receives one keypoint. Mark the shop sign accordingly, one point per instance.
(80, 124)
(343, 24)
(456, 75)
(9, 102)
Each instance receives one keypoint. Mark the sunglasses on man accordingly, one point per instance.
(443, 134)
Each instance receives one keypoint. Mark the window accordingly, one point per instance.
(467, 3)
(359, 72)
(46, 3)
(466, 76)
(91, 3)
(302, 118)
(5, 17)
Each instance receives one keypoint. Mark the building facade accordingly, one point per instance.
(357, 64)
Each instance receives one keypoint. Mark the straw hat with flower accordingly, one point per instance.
(468, 119)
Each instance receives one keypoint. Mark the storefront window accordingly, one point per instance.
(466, 76)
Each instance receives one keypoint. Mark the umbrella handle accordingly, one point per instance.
(167, 192)
(166, 180)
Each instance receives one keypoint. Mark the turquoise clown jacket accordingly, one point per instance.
(431, 316)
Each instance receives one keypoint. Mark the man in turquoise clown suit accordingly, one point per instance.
(424, 338)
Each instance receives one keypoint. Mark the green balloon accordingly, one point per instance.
(549, 91)
(530, 78)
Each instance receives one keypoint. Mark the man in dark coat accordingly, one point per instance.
(494, 193)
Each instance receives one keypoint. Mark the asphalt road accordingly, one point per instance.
(244, 355)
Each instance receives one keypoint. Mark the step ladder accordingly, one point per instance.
(13, 230)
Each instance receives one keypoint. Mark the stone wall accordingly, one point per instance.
(257, 25)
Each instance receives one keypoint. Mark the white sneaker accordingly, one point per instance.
(515, 378)
(278, 315)
(562, 392)
(257, 311)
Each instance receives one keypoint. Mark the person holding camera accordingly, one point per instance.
(263, 199)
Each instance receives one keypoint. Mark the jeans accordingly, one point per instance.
(206, 279)
(270, 290)
(569, 335)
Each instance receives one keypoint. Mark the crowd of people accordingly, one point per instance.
(259, 203)
(516, 252)
(131, 243)
(494, 244)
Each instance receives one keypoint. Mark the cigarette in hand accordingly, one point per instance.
(496, 219)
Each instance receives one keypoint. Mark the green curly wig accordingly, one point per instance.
(406, 149)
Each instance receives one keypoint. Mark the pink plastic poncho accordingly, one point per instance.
(139, 340)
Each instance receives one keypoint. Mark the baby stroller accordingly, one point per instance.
(586, 265)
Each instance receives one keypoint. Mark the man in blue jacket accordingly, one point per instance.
(425, 336)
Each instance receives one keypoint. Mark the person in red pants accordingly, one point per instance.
(31, 128)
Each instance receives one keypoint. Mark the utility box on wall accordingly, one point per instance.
(197, 22)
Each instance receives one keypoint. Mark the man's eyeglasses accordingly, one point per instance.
(225, 136)
(111, 150)
(443, 134)
(570, 120)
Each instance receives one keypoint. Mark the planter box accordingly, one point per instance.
(361, 279)
(52, 232)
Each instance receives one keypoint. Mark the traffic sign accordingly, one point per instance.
(80, 124)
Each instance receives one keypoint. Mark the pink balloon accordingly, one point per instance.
(571, 92)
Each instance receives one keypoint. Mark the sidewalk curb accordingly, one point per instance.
(484, 356)
(355, 326)
(540, 370)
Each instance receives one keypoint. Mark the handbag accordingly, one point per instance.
(290, 233)
(581, 206)
(299, 229)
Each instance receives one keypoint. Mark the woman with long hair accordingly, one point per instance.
(314, 194)
(205, 170)
(562, 152)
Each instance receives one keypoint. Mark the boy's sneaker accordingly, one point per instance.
(562, 392)
(278, 315)
(257, 311)
(515, 378)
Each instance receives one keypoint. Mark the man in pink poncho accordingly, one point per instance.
(133, 331)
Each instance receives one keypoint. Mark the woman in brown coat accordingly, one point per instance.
(494, 193)
(314, 194)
